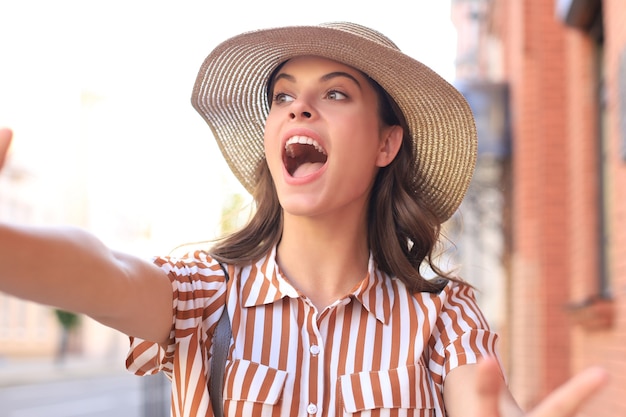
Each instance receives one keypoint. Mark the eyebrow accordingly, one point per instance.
(325, 77)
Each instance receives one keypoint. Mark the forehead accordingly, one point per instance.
(316, 64)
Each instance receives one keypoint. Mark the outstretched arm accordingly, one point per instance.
(490, 397)
(70, 269)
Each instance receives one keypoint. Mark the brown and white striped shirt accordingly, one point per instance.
(379, 351)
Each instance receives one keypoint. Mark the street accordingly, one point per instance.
(119, 395)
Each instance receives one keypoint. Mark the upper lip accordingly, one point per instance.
(308, 133)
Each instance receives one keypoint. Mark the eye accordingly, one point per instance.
(336, 95)
(282, 98)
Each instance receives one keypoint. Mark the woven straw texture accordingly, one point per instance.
(231, 95)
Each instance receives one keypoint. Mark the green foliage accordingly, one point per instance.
(67, 319)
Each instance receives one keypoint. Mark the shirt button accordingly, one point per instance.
(311, 409)
(315, 350)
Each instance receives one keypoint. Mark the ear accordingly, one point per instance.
(390, 145)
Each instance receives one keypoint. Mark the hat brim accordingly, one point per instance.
(230, 93)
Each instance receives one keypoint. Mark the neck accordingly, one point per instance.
(324, 259)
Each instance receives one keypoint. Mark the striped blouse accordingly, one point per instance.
(379, 351)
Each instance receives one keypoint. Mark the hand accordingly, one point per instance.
(495, 401)
(5, 141)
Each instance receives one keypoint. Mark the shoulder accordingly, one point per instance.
(451, 292)
(456, 291)
(458, 313)
(454, 306)
(196, 266)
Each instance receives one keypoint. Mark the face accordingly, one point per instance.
(324, 140)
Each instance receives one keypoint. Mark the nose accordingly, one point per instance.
(303, 114)
(301, 109)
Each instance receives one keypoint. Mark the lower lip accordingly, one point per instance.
(303, 180)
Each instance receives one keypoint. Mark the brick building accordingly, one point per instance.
(564, 65)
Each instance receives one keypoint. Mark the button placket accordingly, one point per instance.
(316, 356)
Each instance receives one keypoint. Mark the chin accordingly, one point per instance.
(298, 210)
(302, 206)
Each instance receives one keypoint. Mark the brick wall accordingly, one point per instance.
(540, 198)
(555, 256)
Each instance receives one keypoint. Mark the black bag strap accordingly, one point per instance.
(221, 343)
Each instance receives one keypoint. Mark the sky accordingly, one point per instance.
(98, 95)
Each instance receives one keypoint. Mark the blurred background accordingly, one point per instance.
(97, 94)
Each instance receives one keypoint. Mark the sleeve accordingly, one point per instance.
(198, 298)
(461, 335)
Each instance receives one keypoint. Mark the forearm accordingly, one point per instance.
(70, 269)
(63, 267)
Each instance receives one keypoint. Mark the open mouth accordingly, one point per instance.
(303, 156)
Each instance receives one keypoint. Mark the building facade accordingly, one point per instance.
(564, 65)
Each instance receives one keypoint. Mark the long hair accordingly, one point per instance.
(402, 231)
(262, 232)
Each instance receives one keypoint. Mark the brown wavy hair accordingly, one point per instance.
(403, 233)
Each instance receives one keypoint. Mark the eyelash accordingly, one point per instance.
(345, 96)
(278, 97)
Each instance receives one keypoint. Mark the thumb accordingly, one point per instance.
(566, 400)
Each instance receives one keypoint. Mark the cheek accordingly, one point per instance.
(271, 147)
(362, 136)
(270, 135)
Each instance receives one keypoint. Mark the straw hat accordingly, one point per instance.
(231, 94)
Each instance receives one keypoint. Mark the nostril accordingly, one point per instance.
(305, 114)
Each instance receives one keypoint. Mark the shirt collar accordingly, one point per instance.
(263, 283)
(376, 292)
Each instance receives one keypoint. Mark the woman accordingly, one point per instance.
(365, 153)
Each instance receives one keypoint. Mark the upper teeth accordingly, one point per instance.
(304, 140)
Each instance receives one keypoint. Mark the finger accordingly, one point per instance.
(489, 384)
(5, 141)
(572, 395)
